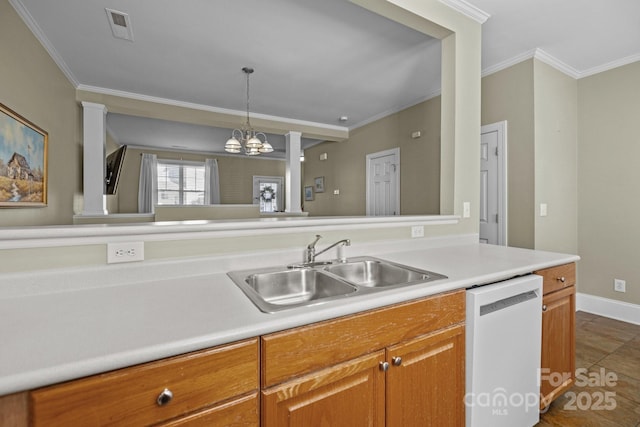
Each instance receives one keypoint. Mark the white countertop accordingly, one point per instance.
(69, 324)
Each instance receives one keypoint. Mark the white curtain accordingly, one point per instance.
(148, 186)
(211, 182)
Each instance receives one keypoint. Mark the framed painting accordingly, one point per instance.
(319, 184)
(23, 161)
(308, 193)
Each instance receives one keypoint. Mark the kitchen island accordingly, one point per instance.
(72, 323)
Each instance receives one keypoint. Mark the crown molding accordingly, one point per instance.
(468, 10)
(543, 56)
(203, 107)
(44, 41)
(384, 114)
(610, 65)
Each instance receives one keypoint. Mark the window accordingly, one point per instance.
(180, 183)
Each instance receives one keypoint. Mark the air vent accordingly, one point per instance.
(120, 24)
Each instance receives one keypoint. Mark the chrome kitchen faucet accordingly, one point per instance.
(311, 254)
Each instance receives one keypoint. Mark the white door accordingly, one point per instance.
(268, 192)
(493, 184)
(383, 183)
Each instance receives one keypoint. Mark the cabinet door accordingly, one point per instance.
(426, 386)
(350, 394)
(558, 344)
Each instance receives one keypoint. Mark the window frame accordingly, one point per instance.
(181, 190)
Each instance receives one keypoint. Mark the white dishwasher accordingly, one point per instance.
(503, 338)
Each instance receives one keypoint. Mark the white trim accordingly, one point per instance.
(521, 57)
(202, 107)
(44, 41)
(370, 157)
(613, 309)
(543, 56)
(503, 191)
(89, 234)
(548, 59)
(384, 114)
(467, 10)
(610, 65)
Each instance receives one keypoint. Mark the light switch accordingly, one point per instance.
(466, 210)
(543, 209)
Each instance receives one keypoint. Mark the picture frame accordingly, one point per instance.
(23, 161)
(308, 193)
(319, 184)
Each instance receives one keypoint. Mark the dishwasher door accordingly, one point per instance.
(503, 338)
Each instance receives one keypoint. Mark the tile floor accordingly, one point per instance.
(609, 350)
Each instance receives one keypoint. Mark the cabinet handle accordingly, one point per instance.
(561, 279)
(384, 366)
(397, 361)
(544, 307)
(164, 397)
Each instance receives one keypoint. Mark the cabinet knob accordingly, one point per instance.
(397, 361)
(544, 307)
(562, 279)
(384, 366)
(164, 397)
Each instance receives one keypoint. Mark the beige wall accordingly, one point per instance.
(509, 95)
(345, 167)
(556, 153)
(609, 182)
(33, 86)
(37, 89)
(236, 176)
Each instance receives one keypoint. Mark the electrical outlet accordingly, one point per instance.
(125, 252)
(543, 209)
(417, 231)
(619, 285)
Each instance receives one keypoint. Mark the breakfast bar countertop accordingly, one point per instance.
(60, 325)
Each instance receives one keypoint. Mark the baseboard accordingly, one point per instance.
(613, 309)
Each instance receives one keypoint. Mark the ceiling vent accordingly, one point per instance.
(120, 24)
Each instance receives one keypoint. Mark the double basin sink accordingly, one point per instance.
(279, 288)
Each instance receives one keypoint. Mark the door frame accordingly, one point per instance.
(503, 219)
(370, 158)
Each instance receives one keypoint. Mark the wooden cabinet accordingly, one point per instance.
(425, 381)
(558, 332)
(349, 394)
(218, 382)
(397, 366)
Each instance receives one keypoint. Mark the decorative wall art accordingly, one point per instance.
(308, 193)
(319, 184)
(23, 161)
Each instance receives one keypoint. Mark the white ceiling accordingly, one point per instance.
(314, 60)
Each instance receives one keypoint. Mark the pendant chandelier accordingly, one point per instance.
(246, 139)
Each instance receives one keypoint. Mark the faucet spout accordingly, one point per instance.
(345, 242)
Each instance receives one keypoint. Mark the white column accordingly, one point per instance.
(93, 141)
(292, 178)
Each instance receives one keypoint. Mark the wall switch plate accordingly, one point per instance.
(543, 209)
(336, 192)
(619, 285)
(417, 231)
(466, 210)
(125, 252)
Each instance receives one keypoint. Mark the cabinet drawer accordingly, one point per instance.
(559, 277)
(242, 411)
(297, 351)
(128, 396)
